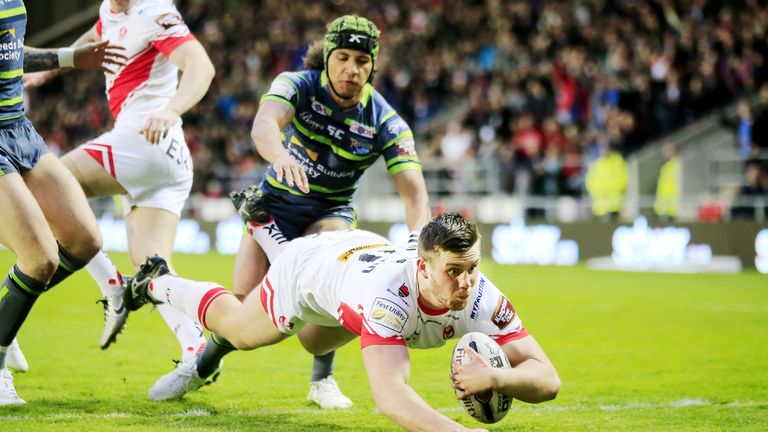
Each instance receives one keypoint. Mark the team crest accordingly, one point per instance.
(448, 332)
(320, 108)
(403, 291)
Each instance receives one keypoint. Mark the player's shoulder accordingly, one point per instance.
(300, 79)
(161, 13)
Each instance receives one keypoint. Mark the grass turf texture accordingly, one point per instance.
(635, 352)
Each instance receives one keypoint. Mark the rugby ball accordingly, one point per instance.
(490, 406)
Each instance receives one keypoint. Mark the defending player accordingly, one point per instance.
(332, 287)
(321, 129)
(145, 156)
(47, 222)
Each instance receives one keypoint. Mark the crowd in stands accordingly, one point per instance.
(538, 89)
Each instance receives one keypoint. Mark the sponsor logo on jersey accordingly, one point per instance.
(335, 132)
(448, 332)
(397, 127)
(123, 31)
(344, 257)
(476, 303)
(358, 128)
(320, 108)
(504, 313)
(360, 148)
(406, 147)
(283, 88)
(308, 120)
(403, 291)
(169, 20)
(388, 315)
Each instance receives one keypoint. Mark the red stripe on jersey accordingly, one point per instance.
(130, 78)
(350, 319)
(98, 27)
(168, 45)
(102, 153)
(502, 339)
(208, 298)
(268, 300)
(354, 322)
(368, 339)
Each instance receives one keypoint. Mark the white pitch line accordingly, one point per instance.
(197, 412)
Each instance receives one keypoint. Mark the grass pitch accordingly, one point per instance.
(635, 352)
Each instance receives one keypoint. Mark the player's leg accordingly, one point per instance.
(92, 165)
(212, 306)
(152, 231)
(323, 389)
(25, 232)
(33, 238)
(67, 211)
(251, 265)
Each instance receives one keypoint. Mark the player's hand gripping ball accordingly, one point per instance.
(489, 406)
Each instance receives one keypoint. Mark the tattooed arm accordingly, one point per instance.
(39, 59)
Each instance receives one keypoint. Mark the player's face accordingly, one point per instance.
(453, 276)
(348, 71)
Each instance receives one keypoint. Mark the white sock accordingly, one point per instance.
(269, 237)
(106, 275)
(190, 297)
(190, 336)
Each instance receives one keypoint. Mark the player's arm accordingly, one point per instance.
(196, 75)
(389, 368)
(271, 118)
(87, 52)
(413, 191)
(531, 379)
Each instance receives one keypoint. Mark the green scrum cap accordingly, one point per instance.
(353, 32)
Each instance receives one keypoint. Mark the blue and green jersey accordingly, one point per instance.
(13, 23)
(336, 146)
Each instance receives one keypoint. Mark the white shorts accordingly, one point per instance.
(289, 290)
(156, 176)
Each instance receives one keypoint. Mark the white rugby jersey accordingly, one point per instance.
(150, 31)
(369, 286)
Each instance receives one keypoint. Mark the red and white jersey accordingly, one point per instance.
(150, 31)
(369, 286)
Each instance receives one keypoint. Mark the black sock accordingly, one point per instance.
(216, 348)
(17, 295)
(322, 366)
(67, 265)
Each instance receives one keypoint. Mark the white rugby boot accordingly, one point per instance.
(328, 395)
(180, 381)
(14, 357)
(115, 315)
(8, 395)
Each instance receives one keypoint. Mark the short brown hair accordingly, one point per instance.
(449, 232)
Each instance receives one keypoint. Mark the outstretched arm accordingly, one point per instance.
(196, 76)
(412, 189)
(271, 118)
(88, 53)
(389, 368)
(532, 377)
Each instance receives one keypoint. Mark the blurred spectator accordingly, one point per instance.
(668, 186)
(606, 183)
(625, 71)
(752, 193)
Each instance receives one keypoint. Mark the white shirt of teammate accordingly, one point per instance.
(150, 31)
(364, 283)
